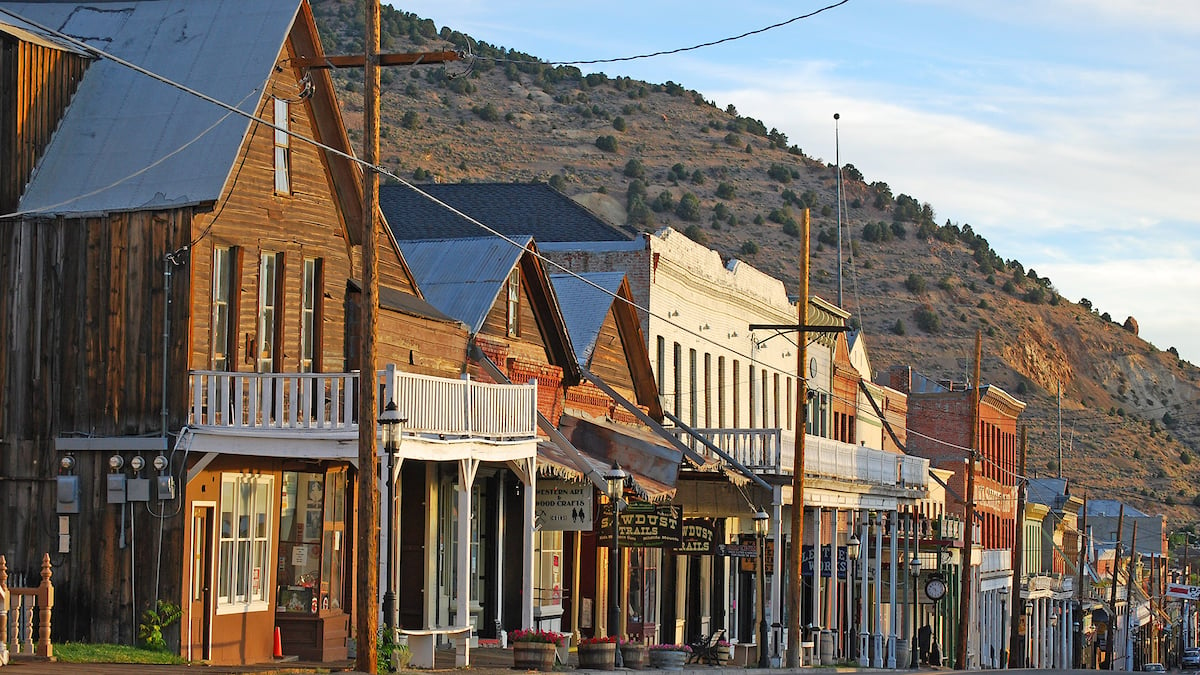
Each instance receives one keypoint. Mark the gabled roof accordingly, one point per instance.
(23, 30)
(463, 277)
(1111, 508)
(129, 142)
(534, 209)
(584, 307)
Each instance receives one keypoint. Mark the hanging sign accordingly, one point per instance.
(563, 505)
(806, 561)
(1183, 591)
(642, 525)
(697, 537)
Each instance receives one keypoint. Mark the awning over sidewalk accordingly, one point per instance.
(653, 463)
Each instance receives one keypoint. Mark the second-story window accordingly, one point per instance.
(224, 307)
(283, 177)
(692, 383)
(268, 318)
(513, 305)
(310, 316)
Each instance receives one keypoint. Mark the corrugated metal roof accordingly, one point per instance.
(510, 208)
(26, 31)
(584, 307)
(463, 277)
(121, 122)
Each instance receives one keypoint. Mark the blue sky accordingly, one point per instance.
(1066, 132)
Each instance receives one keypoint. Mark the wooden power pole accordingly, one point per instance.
(797, 563)
(964, 593)
(367, 586)
(1016, 639)
(1112, 604)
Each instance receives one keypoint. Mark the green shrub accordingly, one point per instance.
(696, 234)
(663, 202)
(153, 622)
(487, 113)
(898, 327)
(558, 182)
(607, 143)
(634, 168)
(915, 283)
(726, 191)
(618, 123)
(927, 319)
(749, 248)
(689, 207)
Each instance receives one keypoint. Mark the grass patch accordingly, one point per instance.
(80, 652)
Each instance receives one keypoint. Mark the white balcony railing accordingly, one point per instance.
(771, 451)
(436, 406)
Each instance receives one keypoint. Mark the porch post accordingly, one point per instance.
(891, 643)
(527, 544)
(864, 619)
(877, 612)
(777, 565)
(466, 479)
(816, 596)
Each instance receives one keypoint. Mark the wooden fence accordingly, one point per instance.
(18, 607)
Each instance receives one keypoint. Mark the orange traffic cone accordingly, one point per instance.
(278, 644)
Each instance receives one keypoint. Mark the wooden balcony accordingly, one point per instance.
(436, 407)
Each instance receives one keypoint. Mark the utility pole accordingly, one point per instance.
(1130, 568)
(1112, 603)
(1016, 639)
(793, 599)
(367, 586)
(1060, 431)
(964, 593)
(1083, 557)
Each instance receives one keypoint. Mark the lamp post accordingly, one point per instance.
(1027, 642)
(390, 423)
(1004, 641)
(760, 531)
(616, 487)
(853, 546)
(914, 570)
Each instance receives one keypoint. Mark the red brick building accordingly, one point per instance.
(939, 426)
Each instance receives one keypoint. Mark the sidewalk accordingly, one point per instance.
(486, 661)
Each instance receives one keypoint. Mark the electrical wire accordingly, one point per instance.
(678, 50)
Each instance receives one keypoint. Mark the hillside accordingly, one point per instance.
(649, 155)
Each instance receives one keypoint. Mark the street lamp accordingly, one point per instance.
(1004, 639)
(760, 530)
(390, 423)
(914, 569)
(853, 546)
(616, 488)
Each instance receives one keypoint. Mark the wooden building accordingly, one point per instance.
(180, 328)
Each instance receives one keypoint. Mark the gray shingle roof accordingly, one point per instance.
(511, 208)
(121, 122)
(462, 277)
(584, 307)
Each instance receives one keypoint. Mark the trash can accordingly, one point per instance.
(827, 648)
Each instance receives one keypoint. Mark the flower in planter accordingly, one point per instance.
(723, 643)
(598, 640)
(633, 641)
(671, 648)
(532, 635)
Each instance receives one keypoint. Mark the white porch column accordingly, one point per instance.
(864, 619)
(877, 613)
(777, 561)
(835, 617)
(891, 645)
(526, 470)
(466, 480)
(816, 596)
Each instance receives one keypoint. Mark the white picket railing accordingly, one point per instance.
(771, 451)
(439, 406)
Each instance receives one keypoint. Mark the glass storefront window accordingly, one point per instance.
(312, 529)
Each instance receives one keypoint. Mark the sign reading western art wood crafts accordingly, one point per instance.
(643, 525)
(563, 505)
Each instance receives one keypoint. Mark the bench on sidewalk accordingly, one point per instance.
(421, 643)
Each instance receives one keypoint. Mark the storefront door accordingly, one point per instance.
(200, 612)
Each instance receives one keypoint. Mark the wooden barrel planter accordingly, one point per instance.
(599, 656)
(634, 656)
(534, 655)
(667, 659)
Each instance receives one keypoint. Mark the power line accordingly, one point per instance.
(678, 50)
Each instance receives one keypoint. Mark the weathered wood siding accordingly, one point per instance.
(81, 315)
(36, 83)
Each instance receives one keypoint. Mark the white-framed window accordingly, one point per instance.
(223, 306)
(513, 305)
(268, 298)
(244, 549)
(310, 298)
(283, 177)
